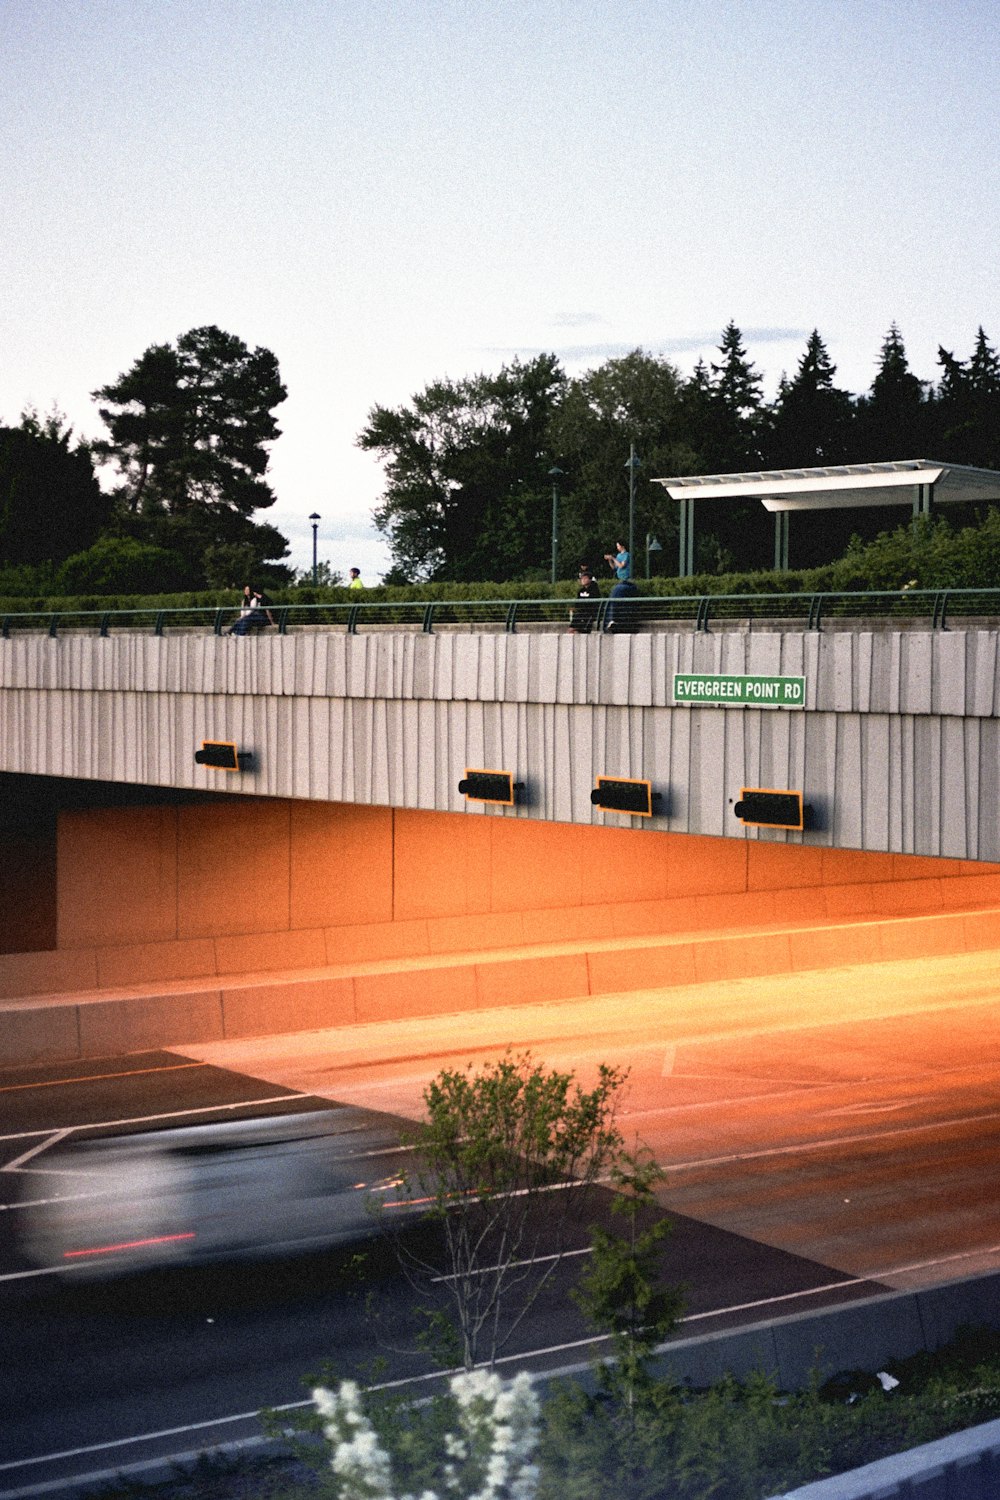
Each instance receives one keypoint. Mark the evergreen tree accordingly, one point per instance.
(894, 418)
(50, 502)
(731, 428)
(968, 406)
(810, 425)
(984, 387)
(735, 434)
(189, 426)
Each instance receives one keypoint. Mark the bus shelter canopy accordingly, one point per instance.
(916, 482)
(842, 486)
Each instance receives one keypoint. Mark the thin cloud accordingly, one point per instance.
(681, 344)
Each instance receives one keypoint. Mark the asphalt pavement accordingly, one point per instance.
(100, 1372)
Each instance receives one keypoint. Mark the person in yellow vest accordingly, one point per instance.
(355, 582)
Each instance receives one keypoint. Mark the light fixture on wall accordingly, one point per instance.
(222, 755)
(498, 787)
(625, 794)
(764, 807)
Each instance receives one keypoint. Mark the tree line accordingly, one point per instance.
(469, 463)
(188, 428)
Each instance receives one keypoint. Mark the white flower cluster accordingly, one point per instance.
(497, 1434)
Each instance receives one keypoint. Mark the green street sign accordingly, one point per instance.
(705, 690)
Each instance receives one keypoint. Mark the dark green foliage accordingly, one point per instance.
(467, 473)
(629, 400)
(968, 406)
(50, 502)
(468, 495)
(748, 1440)
(122, 565)
(811, 419)
(189, 425)
(894, 420)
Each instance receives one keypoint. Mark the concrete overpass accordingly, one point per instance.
(347, 843)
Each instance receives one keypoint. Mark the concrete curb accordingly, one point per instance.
(856, 1335)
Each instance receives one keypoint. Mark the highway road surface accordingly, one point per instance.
(823, 1136)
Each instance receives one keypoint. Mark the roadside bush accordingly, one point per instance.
(122, 565)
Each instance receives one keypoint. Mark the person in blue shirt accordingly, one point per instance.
(621, 616)
(619, 562)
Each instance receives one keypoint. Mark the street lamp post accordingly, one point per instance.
(632, 465)
(315, 519)
(555, 474)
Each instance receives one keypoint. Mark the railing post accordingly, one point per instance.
(428, 624)
(815, 611)
(283, 620)
(158, 623)
(512, 618)
(352, 619)
(217, 626)
(54, 625)
(704, 605)
(105, 621)
(940, 610)
(5, 628)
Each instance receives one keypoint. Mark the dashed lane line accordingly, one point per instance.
(173, 1114)
(54, 1083)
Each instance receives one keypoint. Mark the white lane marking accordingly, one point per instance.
(9, 1208)
(250, 1416)
(534, 1260)
(173, 1114)
(927, 1265)
(43, 1271)
(826, 1143)
(17, 1165)
(669, 1058)
(875, 1109)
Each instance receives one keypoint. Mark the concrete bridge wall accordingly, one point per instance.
(896, 749)
(151, 894)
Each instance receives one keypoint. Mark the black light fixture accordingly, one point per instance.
(555, 474)
(625, 794)
(222, 755)
(633, 462)
(498, 787)
(764, 807)
(315, 519)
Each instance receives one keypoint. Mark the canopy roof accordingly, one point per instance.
(842, 486)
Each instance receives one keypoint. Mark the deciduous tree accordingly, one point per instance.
(467, 492)
(507, 1157)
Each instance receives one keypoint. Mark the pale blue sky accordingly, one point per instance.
(384, 194)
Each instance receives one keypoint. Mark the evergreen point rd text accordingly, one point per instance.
(759, 692)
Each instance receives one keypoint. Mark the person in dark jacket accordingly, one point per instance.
(583, 616)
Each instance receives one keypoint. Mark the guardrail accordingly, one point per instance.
(635, 612)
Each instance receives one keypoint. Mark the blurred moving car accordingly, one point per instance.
(237, 1188)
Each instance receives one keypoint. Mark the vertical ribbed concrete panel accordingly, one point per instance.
(896, 749)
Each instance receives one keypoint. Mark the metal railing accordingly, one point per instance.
(933, 608)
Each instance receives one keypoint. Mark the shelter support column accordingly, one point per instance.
(685, 568)
(923, 496)
(781, 518)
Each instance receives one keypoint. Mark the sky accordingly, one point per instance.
(389, 192)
